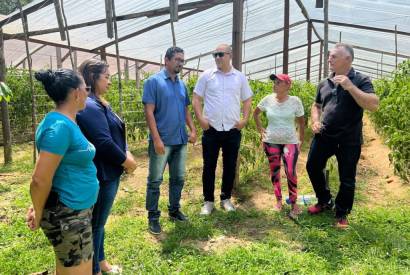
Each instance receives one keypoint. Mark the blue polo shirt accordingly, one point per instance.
(170, 99)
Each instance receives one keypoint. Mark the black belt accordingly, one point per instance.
(52, 200)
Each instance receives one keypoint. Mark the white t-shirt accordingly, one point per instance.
(281, 119)
(223, 94)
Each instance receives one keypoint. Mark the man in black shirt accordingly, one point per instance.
(337, 124)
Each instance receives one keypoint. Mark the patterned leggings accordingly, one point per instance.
(289, 154)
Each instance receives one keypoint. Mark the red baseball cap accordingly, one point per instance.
(281, 77)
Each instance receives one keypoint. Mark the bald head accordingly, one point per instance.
(224, 48)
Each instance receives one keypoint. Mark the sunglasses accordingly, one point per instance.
(219, 54)
(88, 89)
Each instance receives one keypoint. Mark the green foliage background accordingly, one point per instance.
(393, 117)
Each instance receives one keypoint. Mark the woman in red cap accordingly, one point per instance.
(280, 140)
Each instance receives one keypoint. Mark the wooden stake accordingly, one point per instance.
(33, 99)
(137, 75)
(8, 156)
(395, 43)
(117, 51)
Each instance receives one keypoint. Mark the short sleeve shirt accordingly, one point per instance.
(75, 179)
(281, 119)
(223, 94)
(170, 99)
(341, 115)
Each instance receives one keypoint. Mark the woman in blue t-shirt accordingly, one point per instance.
(280, 140)
(106, 131)
(64, 186)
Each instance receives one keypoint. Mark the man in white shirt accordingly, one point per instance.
(221, 90)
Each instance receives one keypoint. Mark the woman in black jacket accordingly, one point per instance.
(106, 131)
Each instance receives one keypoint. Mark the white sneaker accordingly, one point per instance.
(227, 205)
(207, 208)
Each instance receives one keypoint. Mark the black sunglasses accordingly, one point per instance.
(218, 54)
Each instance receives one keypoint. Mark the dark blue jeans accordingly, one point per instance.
(175, 156)
(102, 209)
(347, 158)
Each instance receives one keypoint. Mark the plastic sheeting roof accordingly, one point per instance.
(201, 32)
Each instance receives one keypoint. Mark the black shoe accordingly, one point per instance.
(177, 216)
(154, 227)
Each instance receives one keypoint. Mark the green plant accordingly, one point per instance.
(5, 92)
(392, 119)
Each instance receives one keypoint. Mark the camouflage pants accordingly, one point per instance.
(70, 233)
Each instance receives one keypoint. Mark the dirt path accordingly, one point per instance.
(375, 168)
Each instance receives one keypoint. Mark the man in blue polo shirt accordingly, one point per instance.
(166, 103)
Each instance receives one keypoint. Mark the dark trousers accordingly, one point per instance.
(212, 142)
(347, 158)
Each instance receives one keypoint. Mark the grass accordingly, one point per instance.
(252, 240)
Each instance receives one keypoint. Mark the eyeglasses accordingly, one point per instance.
(219, 54)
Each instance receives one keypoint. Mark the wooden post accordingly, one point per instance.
(377, 70)
(8, 156)
(59, 19)
(137, 75)
(286, 39)
(320, 60)
(237, 29)
(117, 51)
(58, 58)
(395, 43)
(275, 62)
(33, 98)
(160, 62)
(326, 39)
(173, 6)
(197, 66)
(103, 55)
(75, 61)
(109, 15)
(309, 51)
(73, 66)
(126, 71)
